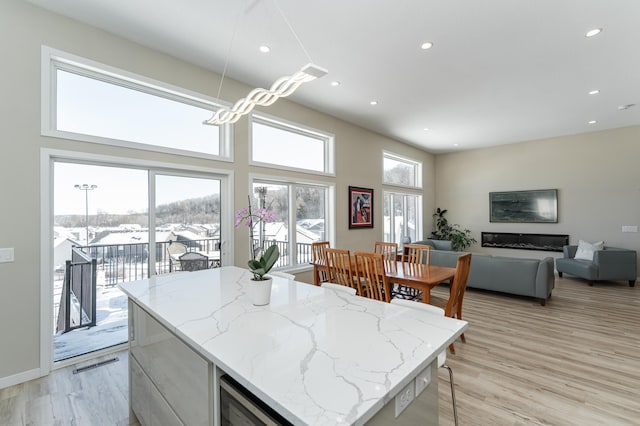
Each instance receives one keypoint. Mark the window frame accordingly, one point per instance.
(292, 183)
(419, 212)
(417, 166)
(48, 157)
(285, 125)
(53, 60)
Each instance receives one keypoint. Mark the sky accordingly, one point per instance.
(120, 190)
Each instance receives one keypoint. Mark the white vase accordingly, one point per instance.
(260, 291)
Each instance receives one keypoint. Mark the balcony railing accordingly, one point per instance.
(117, 263)
(78, 297)
(303, 251)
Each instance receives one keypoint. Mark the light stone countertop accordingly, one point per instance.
(316, 356)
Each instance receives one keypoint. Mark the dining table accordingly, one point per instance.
(422, 277)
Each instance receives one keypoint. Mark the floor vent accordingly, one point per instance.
(95, 365)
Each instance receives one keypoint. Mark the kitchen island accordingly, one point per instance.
(314, 356)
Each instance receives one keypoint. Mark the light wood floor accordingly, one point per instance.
(93, 397)
(575, 361)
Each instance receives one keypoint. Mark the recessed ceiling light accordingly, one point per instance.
(594, 92)
(593, 122)
(264, 48)
(426, 45)
(373, 102)
(426, 129)
(455, 144)
(593, 32)
(335, 83)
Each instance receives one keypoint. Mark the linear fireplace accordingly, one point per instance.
(546, 242)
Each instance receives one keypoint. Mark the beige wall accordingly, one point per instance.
(23, 29)
(596, 174)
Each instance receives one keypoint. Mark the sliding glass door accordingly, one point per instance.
(117, 223)
(187, 218)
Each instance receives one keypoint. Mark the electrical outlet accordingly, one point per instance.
(423, 380)
(404, 398)
(6, 255)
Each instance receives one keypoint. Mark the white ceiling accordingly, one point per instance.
(500, 71)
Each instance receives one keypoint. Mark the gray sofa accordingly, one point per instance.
(524, 277)
(612, 263)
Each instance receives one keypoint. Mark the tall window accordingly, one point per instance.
(94, 103)
(278, 143)
(302, 211)
(402, 207)
(402, 217)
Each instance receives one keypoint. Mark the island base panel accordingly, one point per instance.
(423, 410)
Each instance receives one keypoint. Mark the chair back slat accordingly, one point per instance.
(386, 249)
(370, 269)
(340, 271)
(416, 253)
(319, 257)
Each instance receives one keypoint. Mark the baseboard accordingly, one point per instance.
(16, 379)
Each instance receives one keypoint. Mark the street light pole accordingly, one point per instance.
(86, 188)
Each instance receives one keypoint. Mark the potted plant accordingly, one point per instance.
(460, 238)
(261, 261)
(259, 267)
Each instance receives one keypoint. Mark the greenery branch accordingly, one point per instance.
(460, 238)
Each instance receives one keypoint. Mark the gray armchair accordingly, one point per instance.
(609, 264)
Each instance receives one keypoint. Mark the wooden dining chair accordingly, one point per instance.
(370, 269)
(340, 272)
(416, 253)
(453, 306)
(442, 356)
(388, 250)
(319, 258)
(412, 254)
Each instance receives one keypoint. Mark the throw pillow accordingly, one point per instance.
(585, 250)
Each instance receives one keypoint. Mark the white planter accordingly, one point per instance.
(260, 292)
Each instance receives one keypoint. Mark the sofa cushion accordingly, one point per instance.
(585, 249)
(446, 258)
(505, 274)
(436, 244)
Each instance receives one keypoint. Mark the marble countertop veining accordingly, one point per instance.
(316, 356)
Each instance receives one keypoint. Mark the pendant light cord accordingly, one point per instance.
(226, 61)
(275, 2)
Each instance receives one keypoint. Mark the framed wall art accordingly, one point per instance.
(538, 206)
(360, 207)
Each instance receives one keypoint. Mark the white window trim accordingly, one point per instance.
(47, 158)
(419, 214)
(330, 208)
(53, 59)
(402, 158)
(329, 145)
